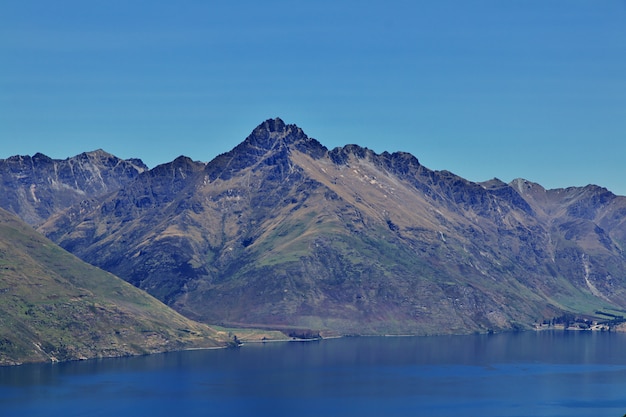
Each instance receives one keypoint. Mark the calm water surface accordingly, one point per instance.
(523, 374)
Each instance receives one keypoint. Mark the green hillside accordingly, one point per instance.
(55, 307)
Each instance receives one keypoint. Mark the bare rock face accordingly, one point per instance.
(36, 187)
(282, 232)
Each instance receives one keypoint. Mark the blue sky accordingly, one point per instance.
(501, 88)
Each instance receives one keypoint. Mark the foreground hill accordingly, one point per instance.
(36, 187)
(53, 306)
(281, 231)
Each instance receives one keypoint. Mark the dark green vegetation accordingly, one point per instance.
(281, 232)
(55, 307)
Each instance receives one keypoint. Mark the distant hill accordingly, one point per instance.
(282, 231)
(53, 306)
(36, 187)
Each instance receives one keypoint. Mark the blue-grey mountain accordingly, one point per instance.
(36, 187)
(283, 232)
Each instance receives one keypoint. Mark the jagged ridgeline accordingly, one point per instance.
(53, 306)
(283, 232)
(36, 187)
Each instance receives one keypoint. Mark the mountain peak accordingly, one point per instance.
(272, 137)
(284, 232)
(97, 153)
(106, 158)
(273, 132)
(273, 125)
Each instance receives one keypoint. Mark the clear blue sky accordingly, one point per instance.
(494, 88)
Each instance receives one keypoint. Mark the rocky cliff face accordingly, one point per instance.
(36, 187)
(281, 231)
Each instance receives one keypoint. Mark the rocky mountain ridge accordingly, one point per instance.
(36, 187)
(281, 231)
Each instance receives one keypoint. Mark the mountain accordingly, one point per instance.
(36, 187)
(283, 232)
(53, 306)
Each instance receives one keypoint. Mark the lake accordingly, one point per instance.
(550, 373)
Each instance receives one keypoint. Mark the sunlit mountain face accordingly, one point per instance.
(282, 232)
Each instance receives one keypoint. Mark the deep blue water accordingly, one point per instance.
(521, 374)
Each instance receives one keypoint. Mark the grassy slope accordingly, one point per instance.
(55, 307)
